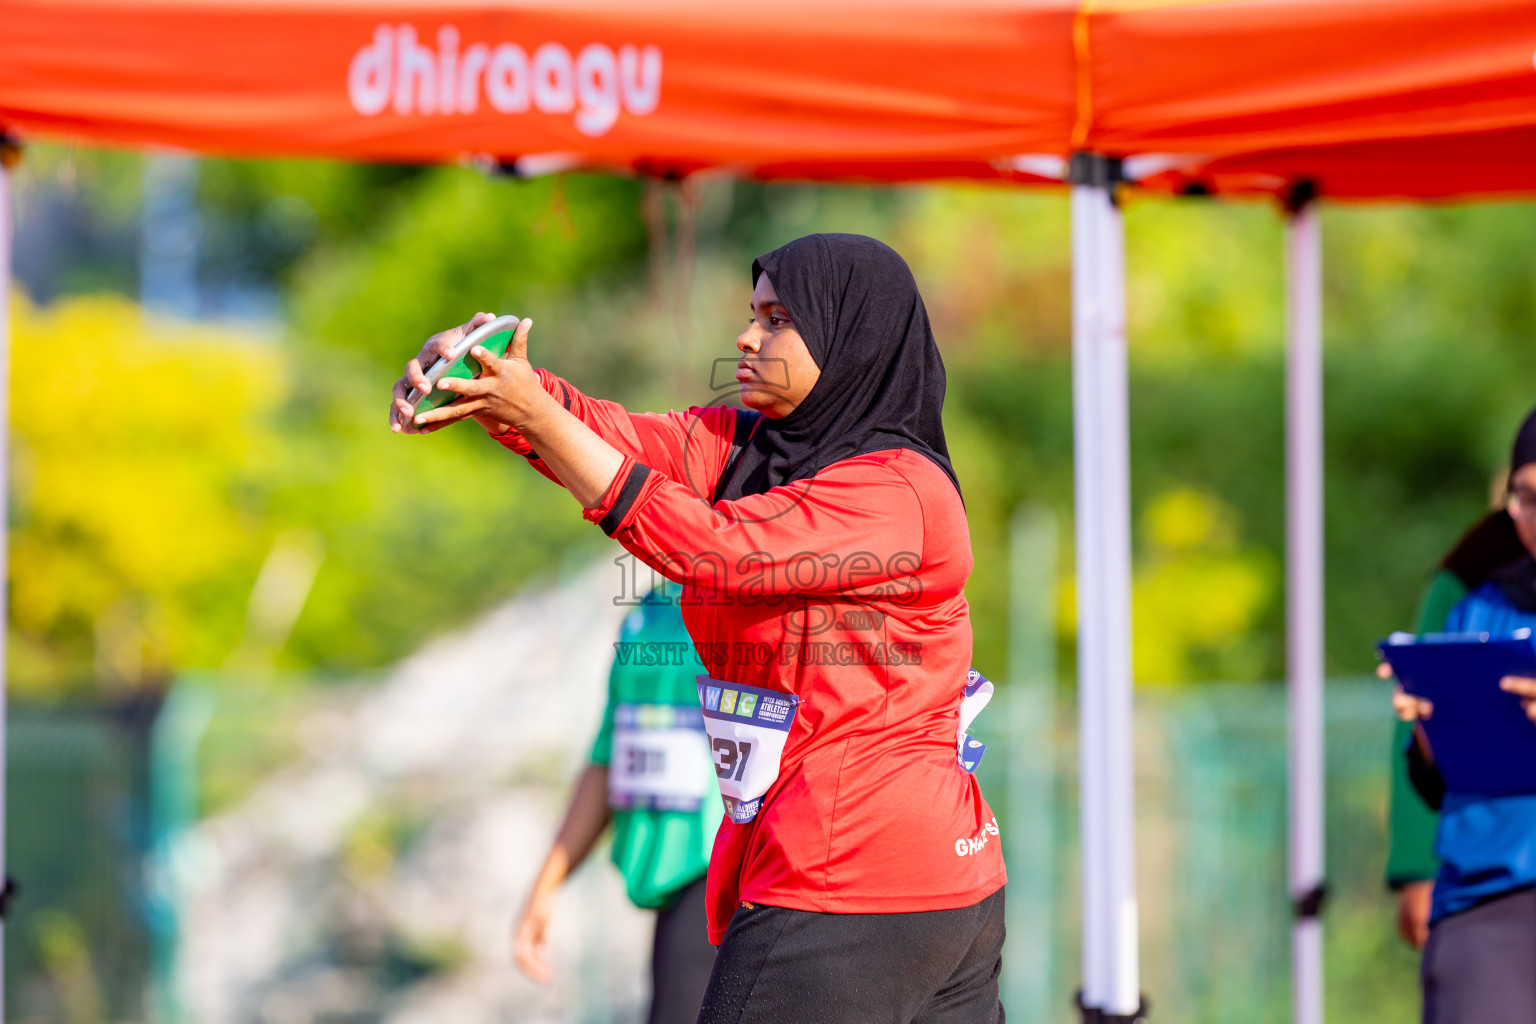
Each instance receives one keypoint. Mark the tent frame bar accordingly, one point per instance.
(1304, 564)
(1111, 992)
(9, 152)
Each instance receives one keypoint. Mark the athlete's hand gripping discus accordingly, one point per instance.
(494, 336)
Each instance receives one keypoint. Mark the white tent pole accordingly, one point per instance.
(1089, 602)
(5, 425)
(1124, 996)
(1111, 973)
(1304, 601)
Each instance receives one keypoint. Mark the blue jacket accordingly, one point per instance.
(1486, 844)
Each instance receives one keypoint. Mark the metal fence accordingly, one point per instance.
(1215, 914)
(77, 942)
(1211, 857)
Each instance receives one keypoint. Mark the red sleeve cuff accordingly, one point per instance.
(556, 387)
(512, 441)
(621, 499)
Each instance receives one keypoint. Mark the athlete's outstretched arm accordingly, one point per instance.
(585, 819)
(509, 394)
(577, 441)
(690, 445)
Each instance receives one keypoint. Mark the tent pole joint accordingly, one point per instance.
(1094, 1015)
(1299, 195)
(10, 150)
(1309, 904)
(1097, 170)
(9, 890)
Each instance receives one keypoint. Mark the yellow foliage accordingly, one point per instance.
(131, 438)
(1197, 597)
(1186, 520)
(1202, 282)
(1066, 605)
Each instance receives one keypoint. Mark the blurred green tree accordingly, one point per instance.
(1429, 366)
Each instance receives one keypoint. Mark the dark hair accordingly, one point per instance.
(1483, 550)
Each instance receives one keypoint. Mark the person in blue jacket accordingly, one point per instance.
(1479, 964)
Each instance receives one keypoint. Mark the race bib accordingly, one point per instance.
(976, 694)
(747, 728)
(660, 758)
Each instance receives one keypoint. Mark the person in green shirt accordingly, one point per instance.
(1411, 862)
(649, 774)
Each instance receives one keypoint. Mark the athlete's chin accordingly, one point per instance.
(755, 397)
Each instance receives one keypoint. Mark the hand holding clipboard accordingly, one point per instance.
(1473, 696)
(1525, 688)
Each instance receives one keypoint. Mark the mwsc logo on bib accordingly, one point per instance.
(594, 86)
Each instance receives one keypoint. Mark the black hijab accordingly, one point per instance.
(856, 305)
(1524, 449)
(1518, 581)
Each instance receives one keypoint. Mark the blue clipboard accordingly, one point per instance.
(1481, 739)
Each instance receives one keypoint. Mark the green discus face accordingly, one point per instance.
(466, 367)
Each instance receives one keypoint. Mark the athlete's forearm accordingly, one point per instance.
(683, 445)
(574, 453)
(585, 818)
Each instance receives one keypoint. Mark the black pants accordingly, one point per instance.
(779, 966)
(1480, 964)
(681, 959)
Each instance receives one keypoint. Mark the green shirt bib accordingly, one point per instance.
(666, 803)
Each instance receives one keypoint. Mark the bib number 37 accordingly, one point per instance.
(731, 757)
(747, 729)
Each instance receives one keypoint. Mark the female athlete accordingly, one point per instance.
(822, 543)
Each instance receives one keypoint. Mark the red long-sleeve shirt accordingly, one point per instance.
(846, 590)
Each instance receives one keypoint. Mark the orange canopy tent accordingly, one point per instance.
(890, 90)
(1378, 93)
(884, 91)
(1295, 98)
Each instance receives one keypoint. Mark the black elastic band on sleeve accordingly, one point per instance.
(626, 499)
(566, 393)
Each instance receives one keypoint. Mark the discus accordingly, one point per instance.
(495, 336)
